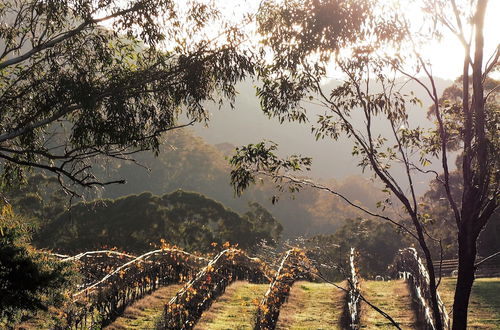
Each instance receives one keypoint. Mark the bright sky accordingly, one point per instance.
(446, 56)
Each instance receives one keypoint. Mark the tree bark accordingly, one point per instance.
(436, 312)
(467, 256)
(475, 174)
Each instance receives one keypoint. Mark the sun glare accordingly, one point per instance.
(446, 55)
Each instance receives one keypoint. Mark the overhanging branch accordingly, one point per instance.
(344, 198)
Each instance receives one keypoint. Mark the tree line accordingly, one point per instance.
(75, 92)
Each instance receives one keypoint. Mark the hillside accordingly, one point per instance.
(246, 123)
(190, 163)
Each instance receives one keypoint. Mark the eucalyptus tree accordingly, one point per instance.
(372, 45)
(134, 223)
(82, 80)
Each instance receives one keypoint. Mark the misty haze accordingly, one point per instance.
(276, 164)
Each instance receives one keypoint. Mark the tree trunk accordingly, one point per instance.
(475, 177)
(466, 259)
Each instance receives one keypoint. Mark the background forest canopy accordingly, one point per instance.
(186, 162)
(97, 92)
(138, 223)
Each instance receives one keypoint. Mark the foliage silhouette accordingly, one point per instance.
(135, 223)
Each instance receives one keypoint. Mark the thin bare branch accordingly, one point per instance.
(347, 200)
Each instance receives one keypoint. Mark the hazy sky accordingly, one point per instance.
(330, 159)
(446, 55)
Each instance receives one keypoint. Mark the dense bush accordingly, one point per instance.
(30, 280)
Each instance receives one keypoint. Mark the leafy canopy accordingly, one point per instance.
(82, 80)
(136, 223)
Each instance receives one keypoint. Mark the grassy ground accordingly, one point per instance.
(484, 305)
(43, 320)
(235, 309)
(143, 313)
(393, 297)
(312, 306)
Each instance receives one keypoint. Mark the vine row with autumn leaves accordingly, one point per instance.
(185, 309)
(113, 280)
(294, 266)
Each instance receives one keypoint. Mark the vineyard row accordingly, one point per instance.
(113, 280)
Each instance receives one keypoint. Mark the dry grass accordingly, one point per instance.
(393, 297)
(144, 313)
(484, 305)
(312, 306)
(235, 309)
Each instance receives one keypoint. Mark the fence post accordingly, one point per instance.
(353, 295)
(408, 261)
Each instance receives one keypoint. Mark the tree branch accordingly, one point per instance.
(348, 201)
(64, 36)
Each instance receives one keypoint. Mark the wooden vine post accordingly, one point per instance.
(353, 297)
(410, 265)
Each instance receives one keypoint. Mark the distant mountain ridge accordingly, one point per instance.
(188, 162)
(246, 123)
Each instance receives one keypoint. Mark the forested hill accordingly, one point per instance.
(136, 223)
(246, 123)
(188, 162)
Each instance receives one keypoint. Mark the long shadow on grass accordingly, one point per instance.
(487, 294)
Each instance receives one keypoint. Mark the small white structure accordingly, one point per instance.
(404, 275)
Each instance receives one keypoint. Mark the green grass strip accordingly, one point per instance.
(235, 309)
(484, 304)
(394, 298)
(144, 313)
(312, 306)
